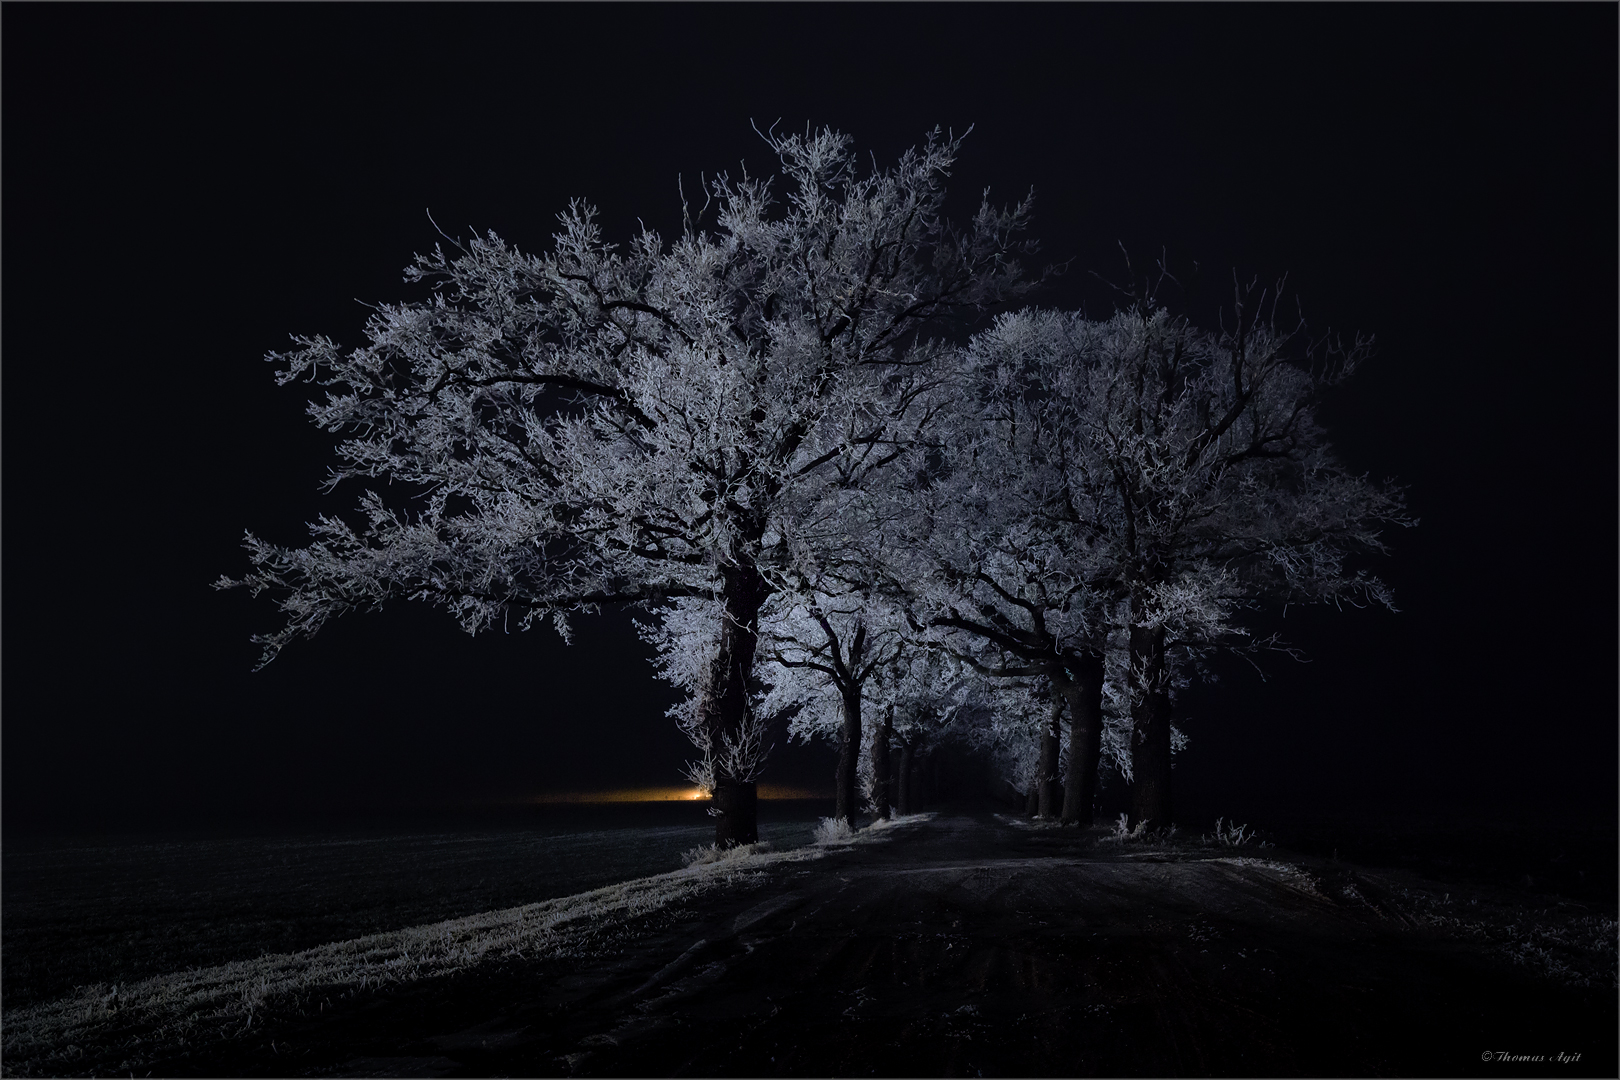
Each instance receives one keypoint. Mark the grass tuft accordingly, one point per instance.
(833, 830)
(736, 855)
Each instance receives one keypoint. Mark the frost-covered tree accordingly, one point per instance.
(827, 650)
(832, 625)
(1001, 569)
(921, 691)
(914, 692)
(594, 426)
(1177, 477)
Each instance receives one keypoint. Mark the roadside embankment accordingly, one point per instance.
(949, 945)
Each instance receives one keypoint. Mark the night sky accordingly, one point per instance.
(186, 186)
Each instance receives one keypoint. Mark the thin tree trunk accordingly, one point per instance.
(880, 764)
(1083, 694)
(1050, 795)
(727, 708)
(849, 745)
(907, 792)
(1032, 798)
(894, 774)
(1150, 730)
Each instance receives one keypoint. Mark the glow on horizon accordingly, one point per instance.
(767, 792)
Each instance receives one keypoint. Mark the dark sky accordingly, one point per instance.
(185, 186)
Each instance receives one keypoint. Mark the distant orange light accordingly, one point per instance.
(767, 792)
(621, 795)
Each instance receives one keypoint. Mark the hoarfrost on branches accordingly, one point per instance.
(1115, 494)
(594, 426)
(1182, 479)
(758, 433)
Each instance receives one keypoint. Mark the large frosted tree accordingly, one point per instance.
(594, 426)
(1137, 479)
(1217, 489)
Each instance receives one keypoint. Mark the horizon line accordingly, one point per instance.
(767, 793)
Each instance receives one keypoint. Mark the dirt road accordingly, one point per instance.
(970, 945)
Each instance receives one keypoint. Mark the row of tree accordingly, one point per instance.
(771, 435)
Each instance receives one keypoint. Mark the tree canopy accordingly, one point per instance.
(591, 426)
(764, 432)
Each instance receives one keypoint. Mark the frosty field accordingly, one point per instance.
(121, 908)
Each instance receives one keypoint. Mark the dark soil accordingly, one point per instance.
(968, 946)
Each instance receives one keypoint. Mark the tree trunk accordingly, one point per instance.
(880, 765)
(849, 745)
(739, 810)
(1049, 794)
(907, 794)
(1083, 694)
(1150, 730)
(727, 709)
(1032, 798)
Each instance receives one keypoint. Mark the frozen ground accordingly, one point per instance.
(118, 909)
(960, 945)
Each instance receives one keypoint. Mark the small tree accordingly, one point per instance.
(920, 690)
(592, 427)
(832, 622)
(837, 644)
